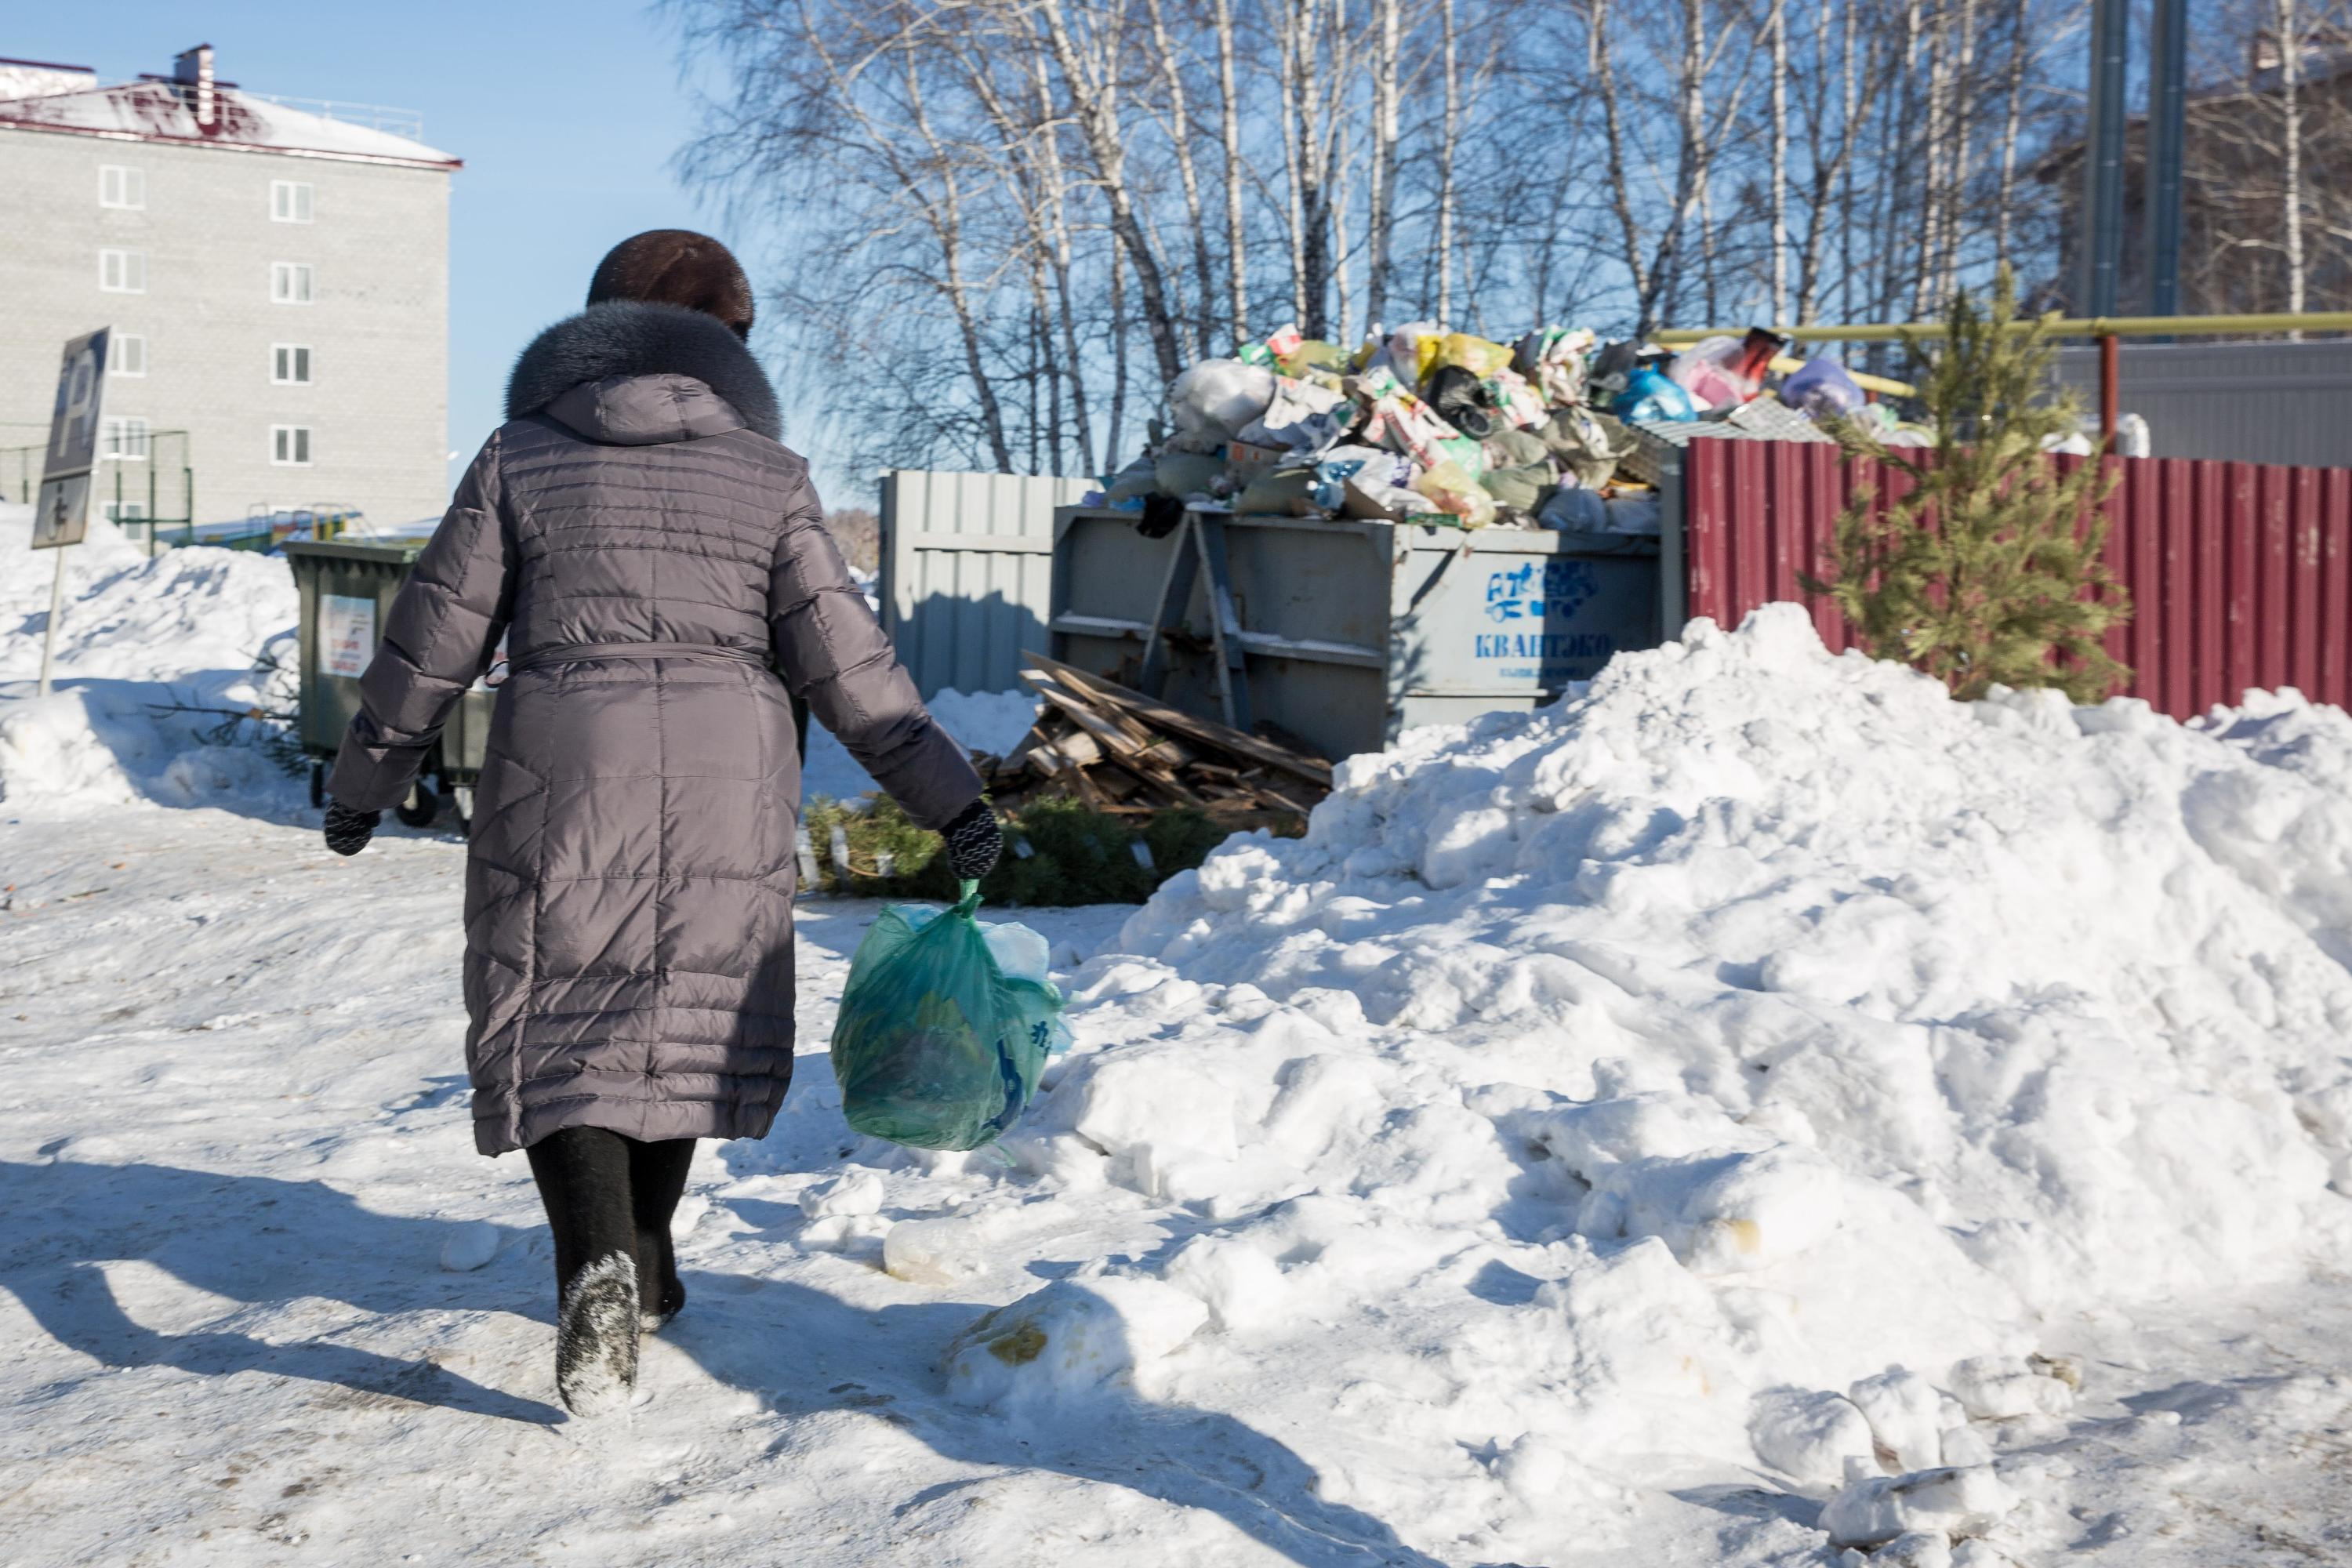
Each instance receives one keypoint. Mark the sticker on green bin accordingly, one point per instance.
(346, 634)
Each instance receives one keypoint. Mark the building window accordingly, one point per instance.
(289, 446)
(126, 511)
(290, 365)
(126, 439)
(289, 282)
(122, 271)
(128, 356)
(289, 201)
(119, 186)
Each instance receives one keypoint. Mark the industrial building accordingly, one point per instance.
(276, 275)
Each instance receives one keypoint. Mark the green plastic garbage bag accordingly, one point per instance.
(937, 1046)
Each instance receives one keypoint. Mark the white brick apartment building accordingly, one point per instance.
(277, 282)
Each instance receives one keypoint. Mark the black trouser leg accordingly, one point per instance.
(657, 1181)
(583, 1179)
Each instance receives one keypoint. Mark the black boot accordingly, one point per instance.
(583, 1179)
(596, 1337)
(657, 1181)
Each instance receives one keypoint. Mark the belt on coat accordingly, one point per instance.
(581, 652)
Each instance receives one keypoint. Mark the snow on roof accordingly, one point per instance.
(30, 79)
(163, 111)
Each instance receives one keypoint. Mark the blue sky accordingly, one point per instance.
(566, 115)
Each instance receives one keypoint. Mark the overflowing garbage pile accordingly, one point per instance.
(1121, 752)
(1428, 426)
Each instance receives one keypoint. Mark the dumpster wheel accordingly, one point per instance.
(419, 808)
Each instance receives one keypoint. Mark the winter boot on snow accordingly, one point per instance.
(596, 1337)
(583, 1176)
(657, 1180)
(660, 1294)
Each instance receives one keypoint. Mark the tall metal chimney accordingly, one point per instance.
(193, 68)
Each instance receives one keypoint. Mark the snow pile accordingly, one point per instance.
(155, 657)
(1742, 1068)
(131, 618)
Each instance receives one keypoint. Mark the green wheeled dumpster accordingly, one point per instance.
(347, 589)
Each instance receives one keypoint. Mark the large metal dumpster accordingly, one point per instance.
(1345, 632)
(347, 592)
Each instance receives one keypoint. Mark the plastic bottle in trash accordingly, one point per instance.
(1649, 397)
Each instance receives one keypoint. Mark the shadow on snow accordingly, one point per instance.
(261, 1241)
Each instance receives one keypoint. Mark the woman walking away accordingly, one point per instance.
(656, 559)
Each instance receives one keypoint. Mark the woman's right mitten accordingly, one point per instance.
(348, 831)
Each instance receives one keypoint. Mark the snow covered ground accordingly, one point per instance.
(1755, 1101)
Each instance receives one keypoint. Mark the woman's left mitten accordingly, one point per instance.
(348, 831)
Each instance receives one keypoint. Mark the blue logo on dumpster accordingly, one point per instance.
(1553, 592)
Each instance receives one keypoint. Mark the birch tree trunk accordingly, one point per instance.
(1111, 437)
(1690, 167)
(1180, 136)
(1779, 197)
(1312, 109)
(1382, 197)
(1959, 118)
(2290, 38)
(1934, 145)
(1039, 184)
(1094, 103)
(1848, 90)
(1449, 143)
(1294, 88)
(2004, 204)
(1229, 127)
(946, 220)
(1621, 189)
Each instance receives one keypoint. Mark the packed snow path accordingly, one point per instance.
(235, 1156)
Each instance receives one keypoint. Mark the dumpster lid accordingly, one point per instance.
(395, 552)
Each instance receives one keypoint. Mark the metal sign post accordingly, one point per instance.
(61, 515)
(2102, 242)
(2167, 92)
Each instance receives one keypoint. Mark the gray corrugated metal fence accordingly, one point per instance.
(2246, 403)
(967, 572)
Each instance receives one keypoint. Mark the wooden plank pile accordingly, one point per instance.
(1115, 750)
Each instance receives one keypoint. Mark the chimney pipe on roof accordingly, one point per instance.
(193, 69)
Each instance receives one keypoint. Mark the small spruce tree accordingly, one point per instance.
(1988, 571)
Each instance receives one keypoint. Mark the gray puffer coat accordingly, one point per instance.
(646, 548)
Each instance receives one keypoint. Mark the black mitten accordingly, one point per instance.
(975, 841)
(348, 831)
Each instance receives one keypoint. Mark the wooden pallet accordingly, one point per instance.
(1117, 751)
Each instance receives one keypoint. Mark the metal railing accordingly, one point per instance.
(408, 122)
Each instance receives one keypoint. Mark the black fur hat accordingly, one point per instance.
(676, 266)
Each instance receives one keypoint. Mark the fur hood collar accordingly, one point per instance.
(624, 338)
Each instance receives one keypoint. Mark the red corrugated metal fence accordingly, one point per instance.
(2240, 573)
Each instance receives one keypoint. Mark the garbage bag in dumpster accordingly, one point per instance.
(1822, 388)
(1649, 397)
(945, 1025)
(1219, 397)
